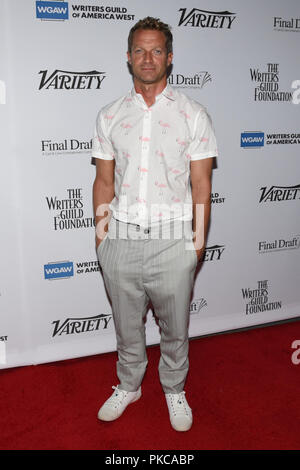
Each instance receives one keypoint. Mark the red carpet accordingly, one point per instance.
(243, 389)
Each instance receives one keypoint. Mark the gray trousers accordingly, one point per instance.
(139, 266)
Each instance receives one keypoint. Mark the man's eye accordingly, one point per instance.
(157, 51)
(138, 51)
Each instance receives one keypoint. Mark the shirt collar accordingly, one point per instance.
(168, 92)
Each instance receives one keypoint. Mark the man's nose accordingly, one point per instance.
(148, 56)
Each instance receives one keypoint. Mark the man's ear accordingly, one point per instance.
(129, 58)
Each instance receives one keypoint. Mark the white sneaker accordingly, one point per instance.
(116, 404)
(180, 413)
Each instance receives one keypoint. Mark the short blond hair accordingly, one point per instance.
(152, 23)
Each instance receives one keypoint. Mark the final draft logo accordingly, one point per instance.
(198, 80)
(69, 212)
(279, 244)
(66, 80)
(65, 147)
(279, 193)
(286, 24)
(197, 305)
(257, 300)
(71, 326)
(206, 19)
(267, 84)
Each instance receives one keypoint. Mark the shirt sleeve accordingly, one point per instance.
(101, 145)
(203, 144)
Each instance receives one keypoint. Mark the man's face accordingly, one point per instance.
(148, 57)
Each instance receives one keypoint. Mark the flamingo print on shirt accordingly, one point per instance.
(161, 187)
(153, 149)
(164, 126)
(126, 126)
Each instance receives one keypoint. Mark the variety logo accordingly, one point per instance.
(198, 80)
(58, 270)
(206, 19)
(280, 24)
(279, 193)
(213, 253)
(72, 326)
(252, 139)
(257, 300)
(69, 212)
(267, 85)
(279, 244)
(52, 10)
(65, 80)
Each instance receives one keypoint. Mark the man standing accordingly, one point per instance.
(154, 149)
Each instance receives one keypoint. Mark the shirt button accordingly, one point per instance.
(138, 228)
(146, 230)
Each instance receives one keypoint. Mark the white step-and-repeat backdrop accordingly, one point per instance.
(61, 61)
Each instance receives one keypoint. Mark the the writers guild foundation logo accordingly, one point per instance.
(196, 305)
(72, 326)
(257, 300)
(206, 19)
(65, 80)
(69, 212)
(279, 193)
(267, 84)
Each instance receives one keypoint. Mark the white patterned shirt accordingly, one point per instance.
(152, 148)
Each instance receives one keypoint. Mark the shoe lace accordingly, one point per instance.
(117, 397)
(179, 404)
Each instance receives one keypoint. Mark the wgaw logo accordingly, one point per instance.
(52, 10)
(252, 139)
(58, 270)
(206, 19)
(65, 80)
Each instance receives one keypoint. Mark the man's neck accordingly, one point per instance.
(150, 91)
